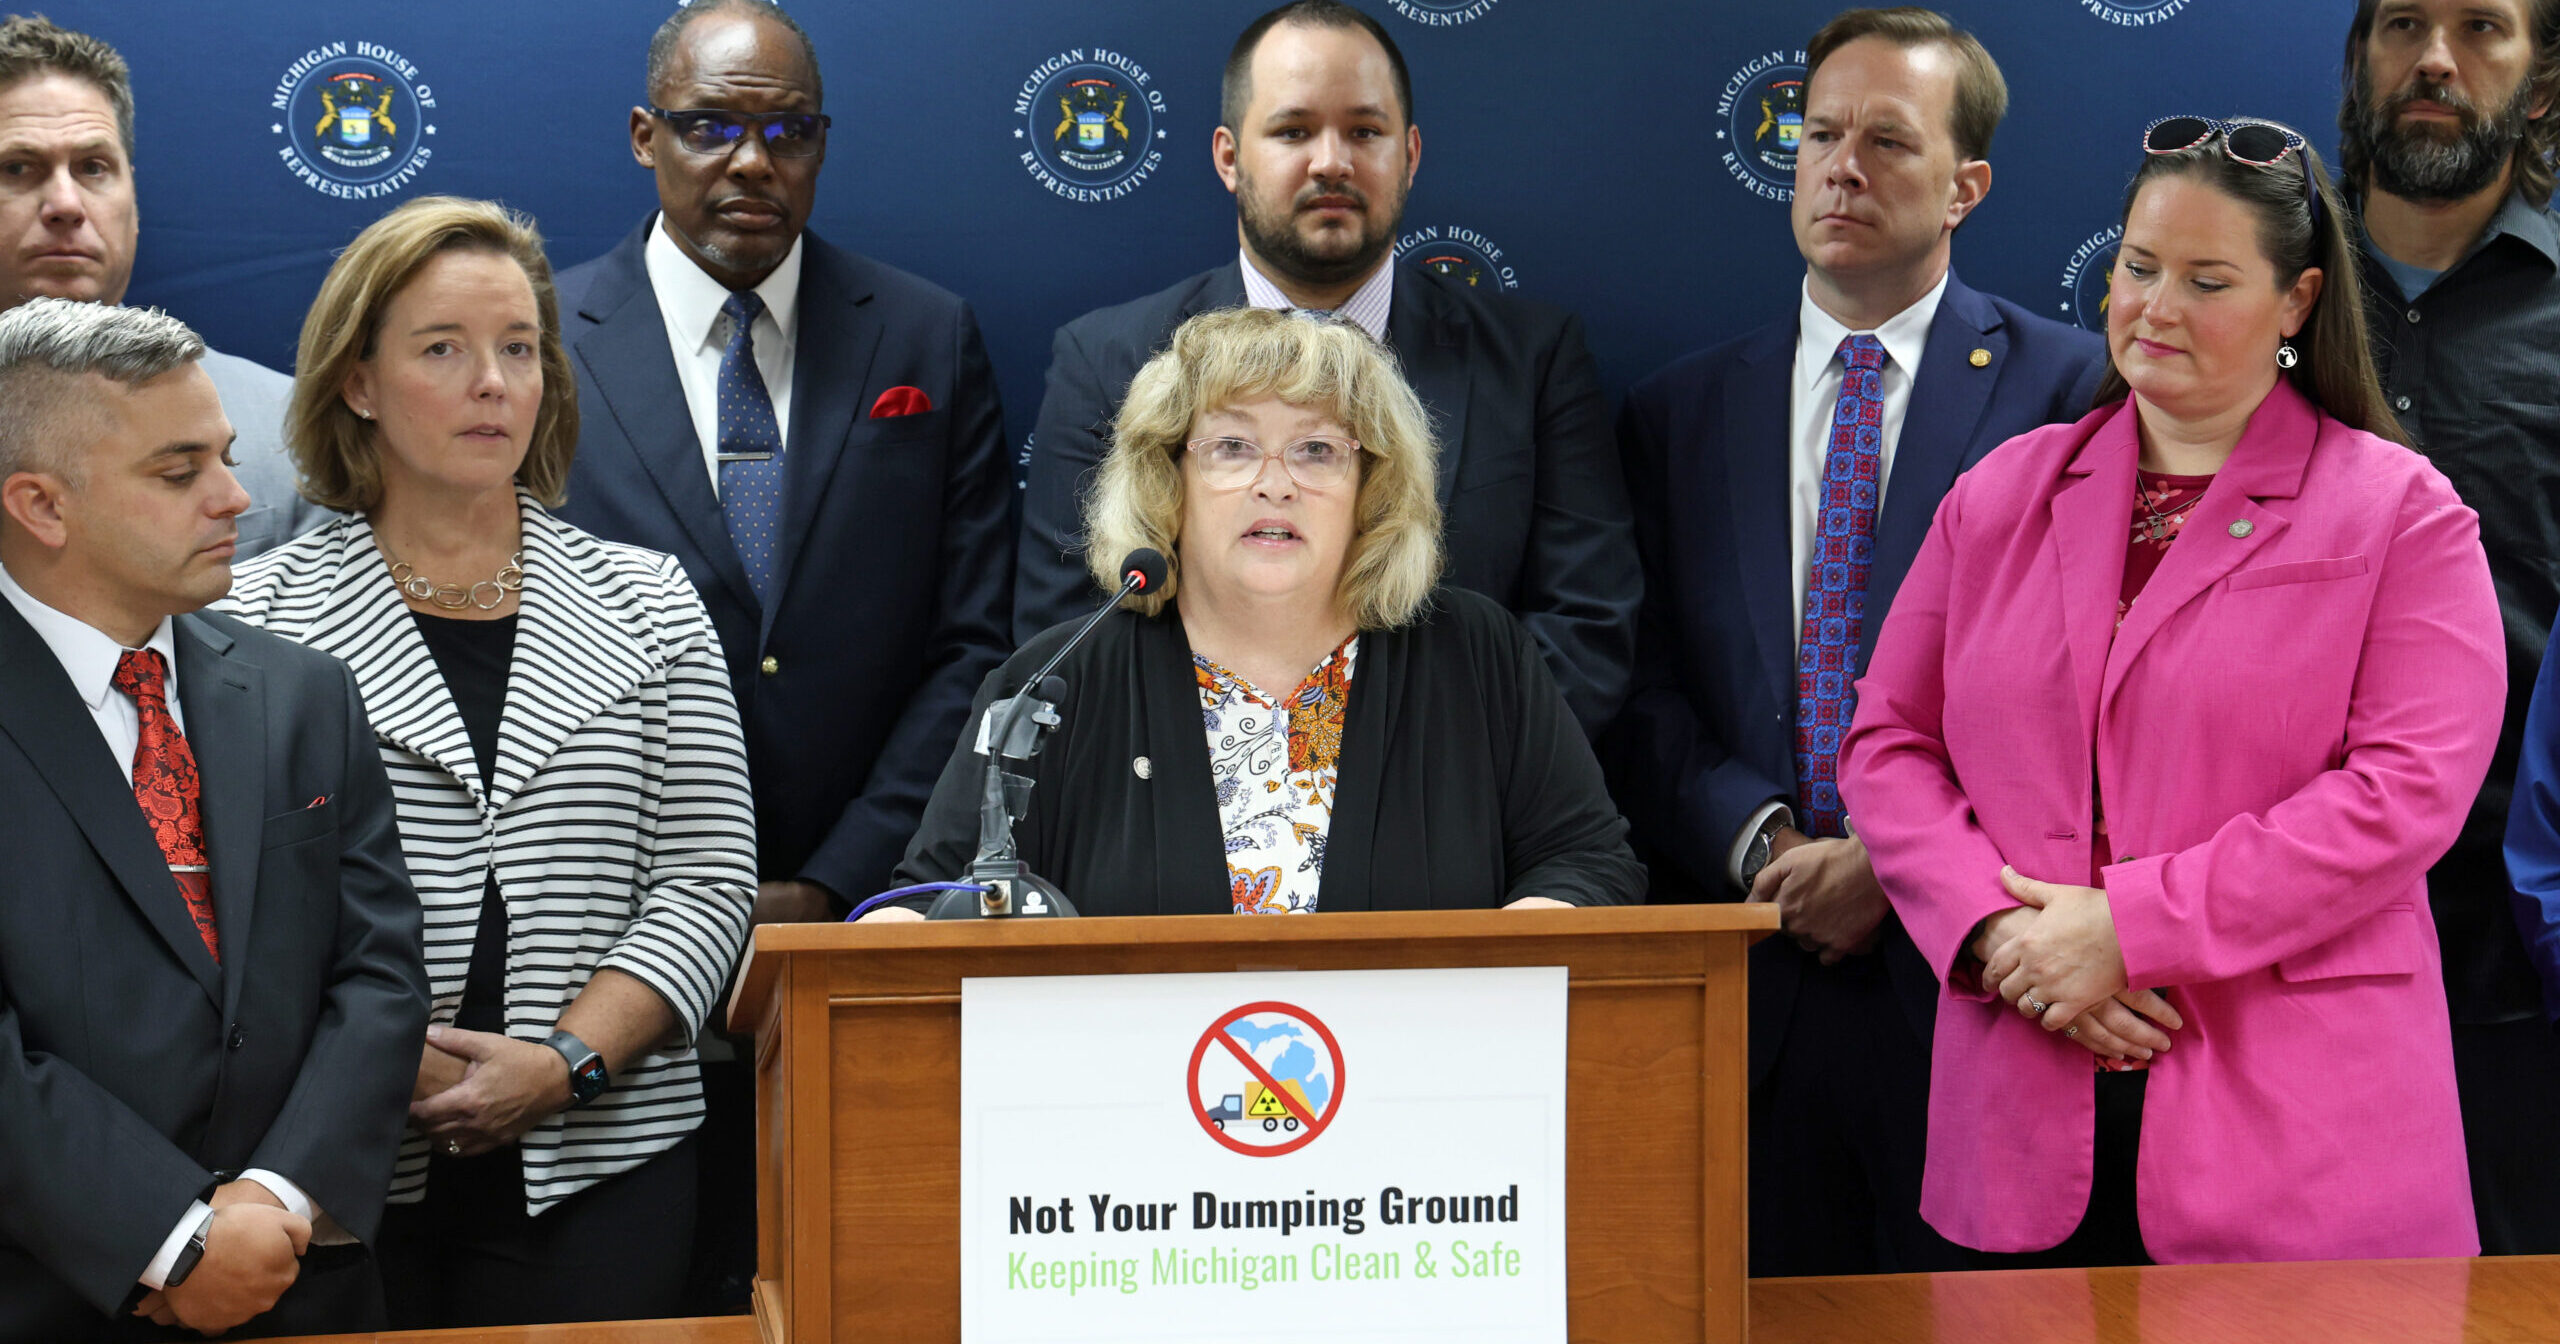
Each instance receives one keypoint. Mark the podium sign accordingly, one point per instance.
(1357, 1155)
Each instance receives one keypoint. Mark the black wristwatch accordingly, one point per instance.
(1756, 855)
(587, 1076)
(190, 1254)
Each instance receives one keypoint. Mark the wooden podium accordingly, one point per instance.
(857, 1031)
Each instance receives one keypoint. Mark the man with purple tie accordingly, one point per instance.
(1782, 483)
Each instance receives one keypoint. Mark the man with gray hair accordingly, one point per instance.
(211, 988)
(68, 225)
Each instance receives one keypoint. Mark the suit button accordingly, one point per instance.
(2399, 403)
(770, 665)
(238, 1037)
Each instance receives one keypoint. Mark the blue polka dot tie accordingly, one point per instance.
(750, 448)
(1835, 589)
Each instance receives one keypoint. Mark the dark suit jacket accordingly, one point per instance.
(1535, 511)
(1463, 783)
(132, 1068)
(1709, 734)
(893, 572)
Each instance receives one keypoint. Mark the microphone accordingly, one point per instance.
(1027, 716)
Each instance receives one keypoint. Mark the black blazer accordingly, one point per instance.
(1709, 734)
(132, 1068)
(893, 566)
(1463, 782)
(1535, 511)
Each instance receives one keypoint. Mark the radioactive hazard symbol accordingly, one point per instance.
(1266, 1079)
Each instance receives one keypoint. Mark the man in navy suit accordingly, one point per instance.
(816, 437)
(1318, 144)
(1745, 639)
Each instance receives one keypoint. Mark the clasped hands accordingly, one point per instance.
(2055, 958)
(252, 1254)
(479, 1090)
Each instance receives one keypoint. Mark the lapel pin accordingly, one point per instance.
(1146, 769)
(1981, 359)
(2242, 528)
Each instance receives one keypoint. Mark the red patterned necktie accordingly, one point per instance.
(165, 784)
(1835, 590)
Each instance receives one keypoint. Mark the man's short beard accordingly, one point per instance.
(2411, 163)
(1277, 241)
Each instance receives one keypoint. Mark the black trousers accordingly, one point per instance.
(2509, 1075)
(2110, 1232)
(467, 1254)
(724, 1237)
(1839, 1132)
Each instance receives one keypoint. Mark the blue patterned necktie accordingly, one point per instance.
(750, 451)
(1835, 589)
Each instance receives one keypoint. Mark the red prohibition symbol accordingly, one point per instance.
(1275, 1109)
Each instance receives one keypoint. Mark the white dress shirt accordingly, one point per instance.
(89, 655)
(1813, 393)
(1366, 308)
(689, 302)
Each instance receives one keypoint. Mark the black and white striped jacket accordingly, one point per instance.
(619, 824)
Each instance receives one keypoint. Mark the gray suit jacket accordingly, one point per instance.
(254, 397)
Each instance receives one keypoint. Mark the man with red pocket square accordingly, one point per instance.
(845, 431)
(817, 438)
(211, 983)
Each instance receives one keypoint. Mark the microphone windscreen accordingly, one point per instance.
(1147, 563)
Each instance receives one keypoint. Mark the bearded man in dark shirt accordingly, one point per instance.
(2445, 136)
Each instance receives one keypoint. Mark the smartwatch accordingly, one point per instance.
(191, 1254)
(587, 1076)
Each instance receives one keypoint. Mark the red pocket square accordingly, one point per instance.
(901, 400)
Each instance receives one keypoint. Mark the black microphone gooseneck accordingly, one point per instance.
(1011, 887)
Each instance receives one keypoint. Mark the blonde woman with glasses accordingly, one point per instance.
(1297, 719)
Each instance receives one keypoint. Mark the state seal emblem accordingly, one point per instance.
(1459, 252)
(1088, 121)
(1760, 119)
(353, 119)
(1442, 13)
(2133, 13)
(2085, 279)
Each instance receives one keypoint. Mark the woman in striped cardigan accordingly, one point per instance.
(571, 780)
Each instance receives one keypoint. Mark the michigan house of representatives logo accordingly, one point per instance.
(2133, 13)
(353, 120)
(2084, 281)
(1461, 253)
(1090, 124)
(1760, 119)
(1442, 13)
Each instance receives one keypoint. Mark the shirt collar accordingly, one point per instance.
(1904, 335)
(1367, 305)
(691, 299)
(2527, 224)
(87, 653)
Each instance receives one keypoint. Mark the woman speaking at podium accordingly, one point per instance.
(1296, 719)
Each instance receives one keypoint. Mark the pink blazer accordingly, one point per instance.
(2287, 731)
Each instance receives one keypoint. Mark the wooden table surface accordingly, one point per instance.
(2512, 1300)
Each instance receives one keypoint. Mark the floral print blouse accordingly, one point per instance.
(1274, 767)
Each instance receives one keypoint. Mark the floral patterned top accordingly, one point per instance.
(1274, 767)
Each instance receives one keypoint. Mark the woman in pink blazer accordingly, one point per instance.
(2170, 717)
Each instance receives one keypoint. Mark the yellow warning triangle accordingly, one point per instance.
(1267, 1103)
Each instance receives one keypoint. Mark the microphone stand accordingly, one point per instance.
(1012, 889)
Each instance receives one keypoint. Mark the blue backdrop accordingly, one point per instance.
(1616, 156)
